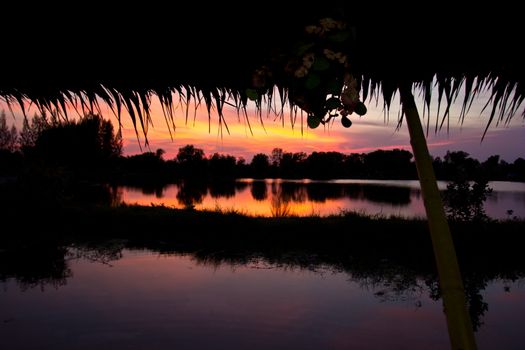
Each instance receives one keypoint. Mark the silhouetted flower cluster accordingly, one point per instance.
(316, 73)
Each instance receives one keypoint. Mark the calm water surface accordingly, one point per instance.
(145, 300)
(305, 197)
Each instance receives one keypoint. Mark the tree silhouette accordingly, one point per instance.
(494, 168)
(221, 166)
(459, 164)
(88, 143)
(380, 164)
(293, 165)
(394, 164)
(260, 166)
(31, 131)
(325, 165)
(8, 136)
(191, 162)
(276, 157)
(27, 137)
(145, 168)
(518, 169)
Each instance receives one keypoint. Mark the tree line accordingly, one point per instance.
(381, 164)
(91, 147)
(50, 142)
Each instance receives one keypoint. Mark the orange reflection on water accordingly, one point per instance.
(277, 198)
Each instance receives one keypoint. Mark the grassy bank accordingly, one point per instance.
(483, 242)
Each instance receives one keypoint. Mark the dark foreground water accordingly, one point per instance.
(273, 197)
(113, 298)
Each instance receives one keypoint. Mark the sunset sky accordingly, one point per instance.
(367, 133)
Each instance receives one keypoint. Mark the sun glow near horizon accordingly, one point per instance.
(260, 133)
(243, 136)
(373, 131)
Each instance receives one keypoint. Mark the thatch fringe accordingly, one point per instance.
(506, 98)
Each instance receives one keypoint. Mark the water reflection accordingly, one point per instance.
(305, 197)
(390, 276)
(224, 189)
(259, 190)
(191, 193)
(35, 265)
(153, 189)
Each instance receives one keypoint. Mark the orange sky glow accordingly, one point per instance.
(367, 133)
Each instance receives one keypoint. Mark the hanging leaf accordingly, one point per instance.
(360, 108)
(346, 122)
(313, 121)
(333, 103)
(312, 81)
(252, 94)
(320, 64)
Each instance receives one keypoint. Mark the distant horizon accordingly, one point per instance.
(368, 133)
(132, 149)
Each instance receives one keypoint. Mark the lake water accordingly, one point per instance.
(306, 197)
(140, 299)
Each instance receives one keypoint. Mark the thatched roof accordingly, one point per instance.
(211, 51)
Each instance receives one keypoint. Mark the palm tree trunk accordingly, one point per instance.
(458, 321)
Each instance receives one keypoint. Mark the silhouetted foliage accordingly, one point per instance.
(86, 144)
(191, 162)
(464, 201)
(8, 136)
(62, 162)
(222, 166)
(260, 166)
(459, 164)
(241, 168)
(354, 165)
(293, 165)
(394, 164)
(145, 168)
(276, 157)
(325, 165)
(491, 168)
(31, 131)
(93, 147)
(518, 170)
(11, 160)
